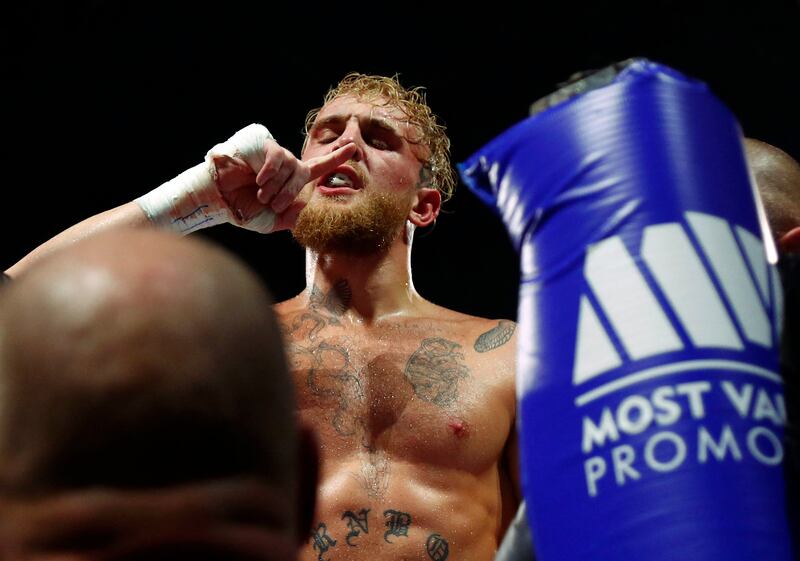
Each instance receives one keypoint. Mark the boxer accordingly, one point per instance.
(413, 403)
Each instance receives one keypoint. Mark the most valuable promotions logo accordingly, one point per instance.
(688, 326)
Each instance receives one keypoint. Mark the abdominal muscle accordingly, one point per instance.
(421, 512)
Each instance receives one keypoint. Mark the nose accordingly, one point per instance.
(351, 133)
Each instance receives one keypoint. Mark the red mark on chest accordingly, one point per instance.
(460, 428)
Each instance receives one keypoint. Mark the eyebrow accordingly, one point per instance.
(370, 121)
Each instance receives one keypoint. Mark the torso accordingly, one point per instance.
(412, 416)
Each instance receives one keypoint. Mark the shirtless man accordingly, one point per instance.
(414, 404)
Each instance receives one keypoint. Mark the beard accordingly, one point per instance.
(368, 225)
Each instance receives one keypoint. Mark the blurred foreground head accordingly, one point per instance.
(144, 399)
(777, 176)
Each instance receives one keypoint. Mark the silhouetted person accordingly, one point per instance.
(146, 411)
(777, 177)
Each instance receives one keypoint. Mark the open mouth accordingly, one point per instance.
(342, 180)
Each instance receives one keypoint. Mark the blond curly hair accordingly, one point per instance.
(413, 105)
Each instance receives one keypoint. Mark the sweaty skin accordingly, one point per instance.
(413, 404)
(412, 423)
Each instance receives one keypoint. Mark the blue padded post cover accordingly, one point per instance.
(651, 407)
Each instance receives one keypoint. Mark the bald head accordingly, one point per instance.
(777, 177)
(139, 359)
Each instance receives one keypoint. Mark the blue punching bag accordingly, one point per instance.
(651, 407)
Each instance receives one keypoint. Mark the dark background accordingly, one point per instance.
(105, 100)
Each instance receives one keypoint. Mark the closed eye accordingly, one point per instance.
(326, 132)
(383, 138)
(325, 136)
(379, 143)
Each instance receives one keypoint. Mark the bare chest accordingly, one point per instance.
(406, 390)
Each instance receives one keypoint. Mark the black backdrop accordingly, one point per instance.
(105, 100)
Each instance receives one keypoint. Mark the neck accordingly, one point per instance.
(364, 287)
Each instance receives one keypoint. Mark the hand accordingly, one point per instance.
(236, 183)
(197, 198)
(283, 176)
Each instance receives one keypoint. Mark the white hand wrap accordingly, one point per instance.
(192, 201)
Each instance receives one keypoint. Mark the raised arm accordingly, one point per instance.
(128, 215)
(222, 189)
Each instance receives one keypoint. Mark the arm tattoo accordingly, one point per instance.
(356, 523)
(437, 547)
(435, 369)
(495, 337)
(396, 523)
(321, 540)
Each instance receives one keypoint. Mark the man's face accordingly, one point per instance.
(363, 204)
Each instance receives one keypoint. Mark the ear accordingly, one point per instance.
(427, 203)
(308, 478)
(790, 241)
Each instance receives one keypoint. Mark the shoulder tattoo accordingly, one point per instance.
(497, 336)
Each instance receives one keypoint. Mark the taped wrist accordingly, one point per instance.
(192, 201)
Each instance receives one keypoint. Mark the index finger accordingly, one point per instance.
(321, 165)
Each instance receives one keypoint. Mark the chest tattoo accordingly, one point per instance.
(435, 369)
(324, 309)
(330, 375)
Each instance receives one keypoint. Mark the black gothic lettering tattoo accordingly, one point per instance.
(437, 547)
(356, 523)
(495, 337)
(435, 369)
(425, 177)
(331, 376)
(321, 541)
(396, 523)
